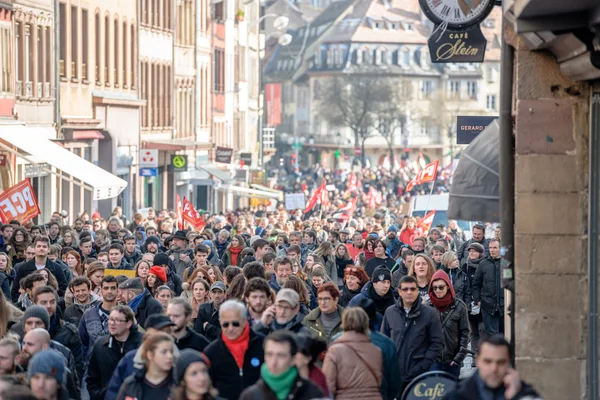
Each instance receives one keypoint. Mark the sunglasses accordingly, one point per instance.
(409, 289)
(439, 288)
(235, 324)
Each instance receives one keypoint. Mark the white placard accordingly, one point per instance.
(148, 158)
(294, 201)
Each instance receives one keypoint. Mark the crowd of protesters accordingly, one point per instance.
(258, 305)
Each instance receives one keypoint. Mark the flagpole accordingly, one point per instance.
(429, 199)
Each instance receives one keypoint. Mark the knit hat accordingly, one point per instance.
(161, 259)
(152, 239)
(381, 274)
(186, 358)
(219, 219)
(47, 362)
(37, 312)
(159, 272)
(254, 239)
(392, 228)
(477, 247)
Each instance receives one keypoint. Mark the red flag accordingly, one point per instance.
(374, 197)
(426, 221)
(190, 214)
(18, 202)
(425, 175)
(312, 202)
(353, 185)
(179, 213)
(346, 213)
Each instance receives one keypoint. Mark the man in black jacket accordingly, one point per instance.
(180, 313)
(416, 331)
(108, 350)
(280, 352)
(488, 292)
(133, 293)
(478, 237)
(207, 322)
(233, 369)
(42, 246)
(494, 378)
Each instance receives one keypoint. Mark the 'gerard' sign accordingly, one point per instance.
(447, 46)
(468, 127)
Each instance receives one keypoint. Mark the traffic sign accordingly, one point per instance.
(148, 171)
(179, 163)
(357, 151)
(148, 158)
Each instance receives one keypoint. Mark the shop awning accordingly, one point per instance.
(87, 135)
(175, 144)
(221, 174)
(34, 142)
(250, 193)
(268, 189)
(475, 190)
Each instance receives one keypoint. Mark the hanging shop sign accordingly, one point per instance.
(223, 155)
(179, 163)
(447, 46)
(469, 126)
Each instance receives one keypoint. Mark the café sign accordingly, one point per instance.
(446, 46)
(434, 385)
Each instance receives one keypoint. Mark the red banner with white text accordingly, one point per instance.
(191, 215)
(18, 203)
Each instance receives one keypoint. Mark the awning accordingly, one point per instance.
(251, 193)
(175, 144)
(268, 189)
(34, 142)
(87, 135)
(221, 174)
(475, 190)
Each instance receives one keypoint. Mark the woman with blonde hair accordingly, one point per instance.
(214, 273)
(422, 270)
(7, 274)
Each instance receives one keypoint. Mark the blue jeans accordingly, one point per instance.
(493, 323)
(453, 370)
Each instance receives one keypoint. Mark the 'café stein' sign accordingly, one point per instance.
(430, 386)
(446, 46)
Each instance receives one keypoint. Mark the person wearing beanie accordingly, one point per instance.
(151, 245)
(279, 377)
(35, 317)
(213, 256)
(192, 377)
(379, 290)
(455, 324)
(172, 280)
(355, 279)
(392, 243)
(46, 376)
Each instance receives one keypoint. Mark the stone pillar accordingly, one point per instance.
(551, 115)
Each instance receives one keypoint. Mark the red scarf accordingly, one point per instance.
(368, 254)
(446, 301)
(235, 252)
(238, 347)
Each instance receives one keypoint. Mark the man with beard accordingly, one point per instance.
(357, 245)
(180, 313)
(283, 269)
(151, 245)
(478, 237)
(379, 290)
(102, 241)
(207, 323)
(392, 243)
(94, 322)
(256, 293)
(284, 314)
(10, 351)
(54, 232)
(83, 299)
(78, 225)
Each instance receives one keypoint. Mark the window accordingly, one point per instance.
(62, 10)
(406, 57)
(124, 59)
(425, 127)
(74, 43)
(117, 79)
(472, 89)
(426, 89)
(219, 78)
(492, 73)
(106, 50)
(359, 56)
(453, 89)
(97, 48)
(491, 102)
(133, 58)
(84, 45)
(5, 59)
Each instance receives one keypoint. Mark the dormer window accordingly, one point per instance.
(359, 56)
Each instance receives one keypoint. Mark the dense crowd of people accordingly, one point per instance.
(258, 305)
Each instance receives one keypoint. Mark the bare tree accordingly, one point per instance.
(391, 119)
(354, 101)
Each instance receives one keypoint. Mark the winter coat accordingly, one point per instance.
(295, 325)
(353, 367)
(208, 313)
(5, 281)
(29, 267)
(400, 271)
(417, 337)
(174, 282)
(463, 251)
(461, 284)
(487, 287)
(313, 322)
(381, 303)
(192, 340)
(470, 267)
(105, 357)
(273, 283)
(302, 389)
(73, 381)
(393, 247)
(132, 259)
(226, 377)
(123, 266)
(221, 247)
(130, 363)
(93, 324)
(468, 389)
(341, 264)
(332, 271)
(67, 335)
(347, 295)
(148, 306)
(178, 264)
(376, 262)
(458, 235)
(75, 311)
(455, 323)
(132, 387)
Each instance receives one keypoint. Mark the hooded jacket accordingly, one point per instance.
(381, 303)
(417, 336)
(455, 323)
(75, 311)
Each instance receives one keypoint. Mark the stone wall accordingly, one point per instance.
(551, 128)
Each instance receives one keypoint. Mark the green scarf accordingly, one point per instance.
(281, 385)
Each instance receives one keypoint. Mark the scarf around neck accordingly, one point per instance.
(235, 252)
(281, 384)
(239, 346)
(135, 302)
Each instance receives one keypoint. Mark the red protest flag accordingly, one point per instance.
(426, 221)
(427, 174)
(312, 202)
(179, 213)
(191, 215)
(19, 203)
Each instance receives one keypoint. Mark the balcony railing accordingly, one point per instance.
(61, 67)
(47, 90)
(84, 71)
(19, 88)
(39, 87)
(29, 89)
(73, 70)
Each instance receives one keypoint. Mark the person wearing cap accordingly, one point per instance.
(284, 314)
(478, 232)
(488, 292)
(179, 312)
(207, 321)
(237, 354)
(47, 375)
(392, 243)
(379, 290)
(180, 253)
(325, 320)
(140, 300)
(219, 223)
(108, 350)
(192, 375)
(172, 280)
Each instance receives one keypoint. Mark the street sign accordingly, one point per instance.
(179, 163)
(36, 170)
(357, 151)
(297, 146)
(148, 158)
(148, 171)
(223, 155)
(468, 127)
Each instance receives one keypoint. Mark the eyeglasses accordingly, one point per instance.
(116, 321)
(409, 289)
(324, 299)
(286, 308)
(439, 288)
(235, 324)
